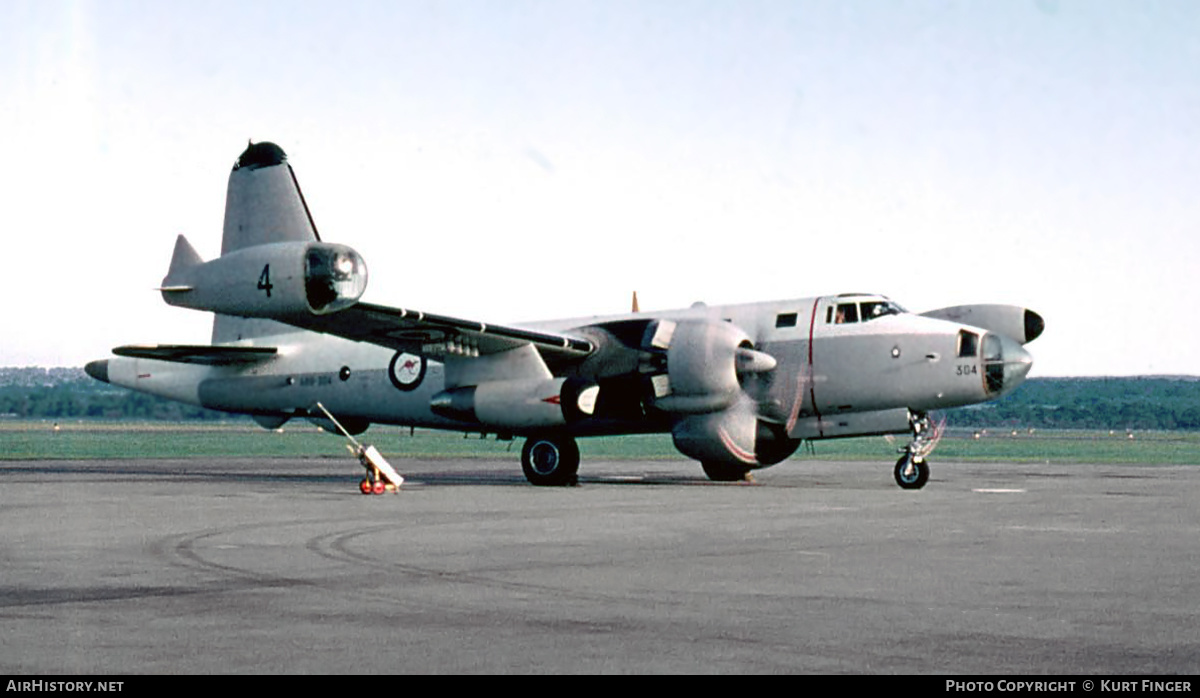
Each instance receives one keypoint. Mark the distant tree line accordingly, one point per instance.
(74, 395)
(1154, 403)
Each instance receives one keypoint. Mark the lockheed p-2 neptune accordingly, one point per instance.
(738, 387)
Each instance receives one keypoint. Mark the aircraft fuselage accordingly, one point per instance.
(834, 377)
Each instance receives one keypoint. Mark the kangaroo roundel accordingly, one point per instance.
(406, 370)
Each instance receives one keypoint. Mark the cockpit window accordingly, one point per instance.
(864, 311)
(846, 313)
(878, 309)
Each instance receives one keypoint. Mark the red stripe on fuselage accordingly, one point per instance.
(812, 384)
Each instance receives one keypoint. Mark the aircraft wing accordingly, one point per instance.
(438, 336)
(197, 354)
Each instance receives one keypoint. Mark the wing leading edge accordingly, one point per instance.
(439, 336)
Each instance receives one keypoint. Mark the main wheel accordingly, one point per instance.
(550, 461)
(914, 480)
(724, 472)
(773, 446)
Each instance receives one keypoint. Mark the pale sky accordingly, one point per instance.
(513, 161)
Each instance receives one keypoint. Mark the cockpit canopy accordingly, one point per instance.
(857, 308)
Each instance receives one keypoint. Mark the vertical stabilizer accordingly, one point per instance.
(262, 205)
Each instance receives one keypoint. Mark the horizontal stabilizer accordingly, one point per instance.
(206, 355)
(184, 256)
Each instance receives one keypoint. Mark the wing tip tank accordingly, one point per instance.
(97, 370)
(1034, 326)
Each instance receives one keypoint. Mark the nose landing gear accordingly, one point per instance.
(912, 470)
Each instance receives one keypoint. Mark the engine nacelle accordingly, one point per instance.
(519, 405)
(278, 280)
(704, 360)
(734, 436)
(728, 436)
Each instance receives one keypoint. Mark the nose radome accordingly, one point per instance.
(1017, 363)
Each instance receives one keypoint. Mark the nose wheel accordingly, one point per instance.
(910, 473)
(912, 470)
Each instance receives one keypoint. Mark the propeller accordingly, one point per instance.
(708, 367)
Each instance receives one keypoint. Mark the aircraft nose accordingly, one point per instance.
(1017, 363)
(97, 370)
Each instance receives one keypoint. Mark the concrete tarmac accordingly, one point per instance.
(280, 566)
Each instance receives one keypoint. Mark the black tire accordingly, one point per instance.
(550, 461)
(773, 445)
(724, 472)
(915, 481)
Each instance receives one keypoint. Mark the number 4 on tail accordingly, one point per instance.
(264, 280)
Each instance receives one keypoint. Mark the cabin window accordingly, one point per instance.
(785, 320)
(968, 344)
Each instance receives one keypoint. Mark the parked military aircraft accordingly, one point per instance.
(738, 387)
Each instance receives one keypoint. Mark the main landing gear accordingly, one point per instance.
(912, 470)
(551, 461)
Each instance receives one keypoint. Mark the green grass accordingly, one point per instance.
(30, 440)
